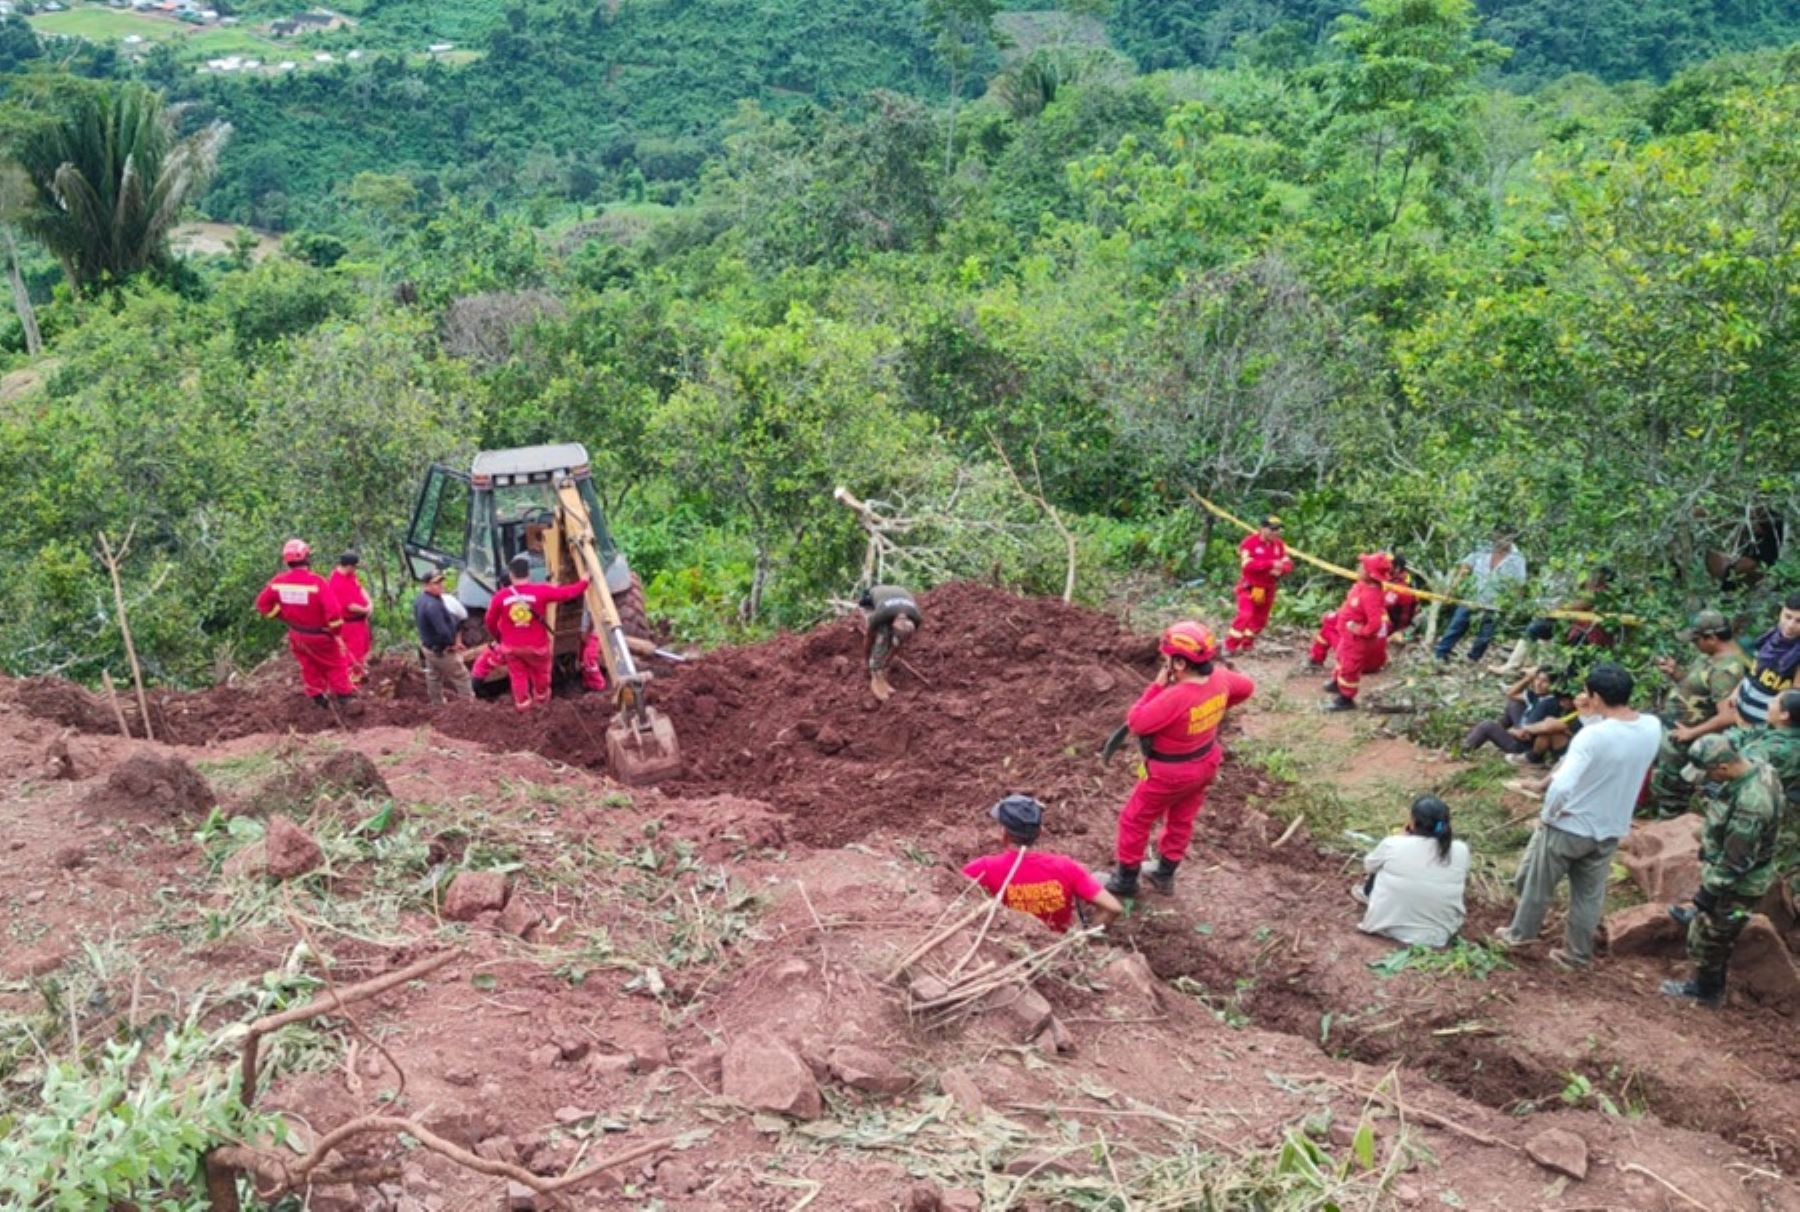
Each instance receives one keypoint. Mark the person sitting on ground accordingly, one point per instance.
(1531, 700)
(1050, 887)
(889, 618)
(1415, 887)
(1696, 707)
(1587, 810)
(1776, 663)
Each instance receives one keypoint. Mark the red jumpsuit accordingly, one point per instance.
(1399, 606)
(1262, 562)
(303, 600)
(1324, 643)
(515, 618)
(1362, 635)
(593, 672)
(1179, 720)
(355, 632)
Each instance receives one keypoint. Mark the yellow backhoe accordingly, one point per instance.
(640, 741)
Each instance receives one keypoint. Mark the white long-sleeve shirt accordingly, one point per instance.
(1595, 788)
(1417, 899)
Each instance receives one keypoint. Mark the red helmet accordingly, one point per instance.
(295, 551)
(1378, 564)
(1190, 641)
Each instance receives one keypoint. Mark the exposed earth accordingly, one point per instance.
(711, 963)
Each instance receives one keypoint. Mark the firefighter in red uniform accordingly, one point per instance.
(1362, 631)
(593, 670)
(355, 602)
(1176, 721)
(303, 600)
(1263, 560)
(515, 619)
(1400, 605)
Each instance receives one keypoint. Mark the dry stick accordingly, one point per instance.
(993, 907)
(908, 666)
(1038, 498)
(1288, 833)
(1030, 964)
(112, 696)
(934, 939)
(349, 1019)
(1647, 1172)
(298, 1173)
(335, 1000)
(1420, 1113)
(112, 560)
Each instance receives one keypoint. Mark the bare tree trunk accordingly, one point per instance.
(34, 341)
(1203, 542)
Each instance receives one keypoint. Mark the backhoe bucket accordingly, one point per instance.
(642, 752)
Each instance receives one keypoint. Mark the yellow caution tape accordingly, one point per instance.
(1579, 616)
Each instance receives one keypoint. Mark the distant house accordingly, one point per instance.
(441, 48)
(284, 28)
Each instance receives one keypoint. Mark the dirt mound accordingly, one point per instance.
(153, 784)
(996, 693)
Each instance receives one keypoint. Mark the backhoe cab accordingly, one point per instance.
(539, 501)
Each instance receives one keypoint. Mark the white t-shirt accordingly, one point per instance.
(1595, 788)
(1416, 900)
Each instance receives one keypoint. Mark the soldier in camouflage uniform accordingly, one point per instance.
(1737, 861)
(1779, 746)
(1696, 707)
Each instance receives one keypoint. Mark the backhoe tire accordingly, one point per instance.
(630, 606)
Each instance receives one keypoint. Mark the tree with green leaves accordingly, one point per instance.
(109, 176)
(1404, 97)
(960, 31)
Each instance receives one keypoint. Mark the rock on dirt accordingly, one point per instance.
(766, 1075)
(1762, 967)
(1559, 1150)
(1663, 857)
(69, 760)
(163, 785)
(1643, 930)
(473, 893)
(1021, 1009)
(519, 919)
(1131, 974)
(288, 850)
(962, 1091)
(867, 1070)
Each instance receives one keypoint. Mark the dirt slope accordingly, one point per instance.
(810, 842)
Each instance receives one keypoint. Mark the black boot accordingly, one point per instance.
(1683, 914)
(1123, 882)
(1703, 990)
(1162, 876)
(1331, 687)
(321, 702)
(1338, 702)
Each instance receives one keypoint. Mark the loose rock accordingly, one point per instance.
(1560, 1150)
(766, 1075)
(288, 850)
(962, 1091)
(1021, 1008)
(1643, 930)
(474, 892)
(866, 1069)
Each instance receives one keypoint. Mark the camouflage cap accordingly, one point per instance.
(1708, 751)
(1707, 622)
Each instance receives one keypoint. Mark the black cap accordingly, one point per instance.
(1020, 815)
(1271, 522)
(436, 574)
(350, 559)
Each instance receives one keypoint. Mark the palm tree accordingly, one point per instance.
(109, 178)
(15, 195)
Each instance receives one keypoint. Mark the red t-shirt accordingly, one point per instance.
(1046, 885)
(1186, 716)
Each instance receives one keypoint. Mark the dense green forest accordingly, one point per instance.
(1374, 271)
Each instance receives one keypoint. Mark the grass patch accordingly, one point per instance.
(105, 25)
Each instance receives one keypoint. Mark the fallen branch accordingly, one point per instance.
(334, 1000)
(934, 940)
(1419, 1113)
(1043, 502)
(1647, 1172)
(1288, 833)
(288, 1175)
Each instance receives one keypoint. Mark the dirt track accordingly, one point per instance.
(788, 762)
